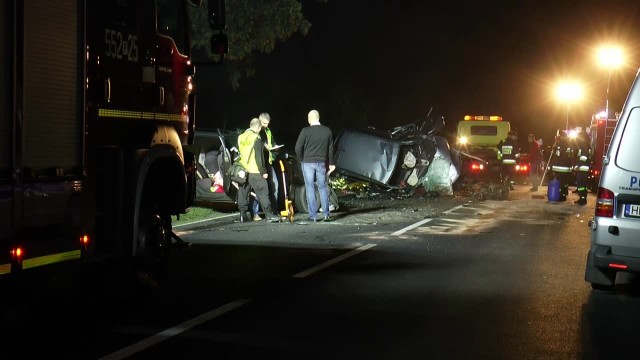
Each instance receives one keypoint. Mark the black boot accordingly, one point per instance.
(246, 217)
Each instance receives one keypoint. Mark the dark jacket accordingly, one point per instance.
(562, 152)
(509, 148)
(315, 145)
(534, 152)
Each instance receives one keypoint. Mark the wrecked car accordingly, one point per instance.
(403, 158)
(213, 158)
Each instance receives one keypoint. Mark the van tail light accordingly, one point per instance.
(604, 202)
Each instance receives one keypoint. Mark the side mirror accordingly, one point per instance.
(217, 16)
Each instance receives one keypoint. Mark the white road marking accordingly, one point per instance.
(410, 227)
(210, 315)
(453, 209)
(333, 261)
(176, 330)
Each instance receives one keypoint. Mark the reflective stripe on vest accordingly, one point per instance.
(583, 168)
(272, 156)
(508, 161)
(557, 168)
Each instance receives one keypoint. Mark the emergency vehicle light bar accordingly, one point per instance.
(482, 117)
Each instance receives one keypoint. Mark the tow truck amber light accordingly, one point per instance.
(604, 202)
(482, 117)
(618, 266)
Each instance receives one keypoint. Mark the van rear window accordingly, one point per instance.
(484, 130)
(628, 158)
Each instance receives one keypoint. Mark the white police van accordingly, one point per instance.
(615, 229)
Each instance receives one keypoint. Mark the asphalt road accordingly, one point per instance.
(443, 279)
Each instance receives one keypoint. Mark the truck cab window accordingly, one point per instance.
(171, 22)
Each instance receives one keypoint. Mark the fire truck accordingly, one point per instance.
(600, 132)
(96, 108)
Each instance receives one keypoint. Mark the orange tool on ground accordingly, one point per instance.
(288, 204)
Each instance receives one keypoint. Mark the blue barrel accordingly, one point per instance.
(553, 190)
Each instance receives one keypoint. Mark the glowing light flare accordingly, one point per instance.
(601, 115)
(84, 240)
(569, 91)
(482, 118)
(477, 167)
(610, 57)
(463, 140)
(17, 253)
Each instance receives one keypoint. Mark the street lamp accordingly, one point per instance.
(568, 92)
(610, 58)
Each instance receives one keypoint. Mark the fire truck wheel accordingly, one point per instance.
(153, 247)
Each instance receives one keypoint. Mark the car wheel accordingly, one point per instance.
(300, 198)
(502, 193)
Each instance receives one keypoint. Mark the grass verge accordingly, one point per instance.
(196, 214)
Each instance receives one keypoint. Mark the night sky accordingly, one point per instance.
(384, 63)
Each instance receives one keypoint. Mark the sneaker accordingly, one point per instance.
(312, 220)
(326, 218)
(580, 202)
(273, 218)
(256, 217)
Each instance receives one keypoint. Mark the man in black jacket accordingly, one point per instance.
(314, 149)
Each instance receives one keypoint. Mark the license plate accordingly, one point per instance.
(632, 210)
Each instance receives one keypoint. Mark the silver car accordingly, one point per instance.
(615, 235)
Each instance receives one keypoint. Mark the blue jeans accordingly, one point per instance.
(316, 172)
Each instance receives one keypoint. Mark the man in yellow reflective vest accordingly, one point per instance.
(270, 156)
(252, 158)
